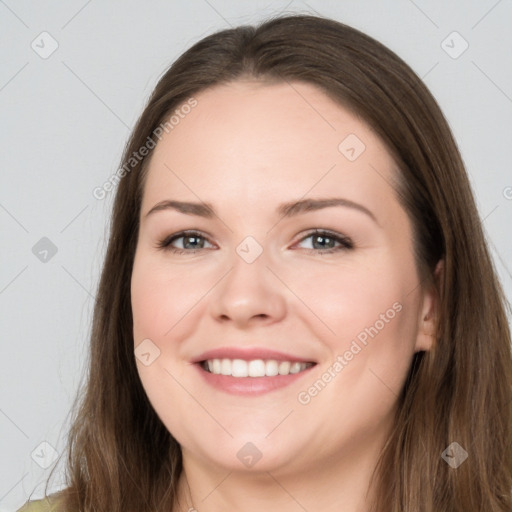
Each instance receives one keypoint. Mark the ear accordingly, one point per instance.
(429, 312)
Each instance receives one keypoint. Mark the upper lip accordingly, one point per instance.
(249, 354)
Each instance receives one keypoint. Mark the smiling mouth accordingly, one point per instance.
(253, 368)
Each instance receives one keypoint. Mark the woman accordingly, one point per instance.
(297, 310)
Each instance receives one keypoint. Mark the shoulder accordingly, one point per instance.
(50, 503)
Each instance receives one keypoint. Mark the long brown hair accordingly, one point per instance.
(120, 455)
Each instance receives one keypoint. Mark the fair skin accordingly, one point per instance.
(246, 148)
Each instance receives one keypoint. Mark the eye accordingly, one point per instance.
(192, 241)
(327, 240)
(323, 241)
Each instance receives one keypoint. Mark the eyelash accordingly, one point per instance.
(346, 243)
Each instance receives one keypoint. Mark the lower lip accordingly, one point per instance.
(249, 386)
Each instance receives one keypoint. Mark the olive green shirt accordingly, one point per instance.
(48, 504)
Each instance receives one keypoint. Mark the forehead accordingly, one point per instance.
(249, 139)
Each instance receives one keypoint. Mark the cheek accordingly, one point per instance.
(156, 310)
(161, 299)
(373, 315)
(352, 297)
(369, 316)
(152, 315)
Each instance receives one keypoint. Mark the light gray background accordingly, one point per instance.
(65, 119)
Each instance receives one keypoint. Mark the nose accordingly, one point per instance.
(249, 294)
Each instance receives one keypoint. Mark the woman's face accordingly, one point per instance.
(319, 329)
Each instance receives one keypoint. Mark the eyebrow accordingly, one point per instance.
(284, 210)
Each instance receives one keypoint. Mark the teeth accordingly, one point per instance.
(271, 368)
(284, 367)
(239, 368)
(295, 368)
(254, 368)
(225, 367)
